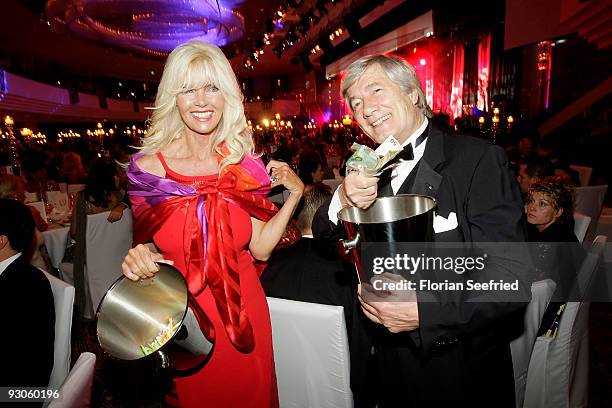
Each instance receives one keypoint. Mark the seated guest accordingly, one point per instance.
(26, 304)
(308, 271)
(36, 176)
(12, 187)
(561, 166)
(550, 212)
(550, 208)
(310, 169)
(100, 195)
(524, 149)
(531, 170)
(72, 171)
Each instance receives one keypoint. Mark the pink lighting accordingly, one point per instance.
(422, 61)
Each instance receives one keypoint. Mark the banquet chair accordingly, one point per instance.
(521, 347)
(76, 390)
(581, 225)
(589, 201)
(559, 367)
(63, 300)
(106, 244)
(584, 174)
(310, 354)
(63, 187)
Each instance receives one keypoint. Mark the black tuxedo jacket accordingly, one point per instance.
(460, 353)
(27, 313)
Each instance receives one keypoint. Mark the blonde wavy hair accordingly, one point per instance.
(194, 65)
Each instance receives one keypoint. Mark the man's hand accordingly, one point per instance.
(358, 190)
(398, 311)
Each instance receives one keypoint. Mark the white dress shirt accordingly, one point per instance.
(5, 264)
(398, 174)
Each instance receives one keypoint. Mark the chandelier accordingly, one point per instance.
(150, 26)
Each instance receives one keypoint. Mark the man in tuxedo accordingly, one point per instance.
(26, 304)
(443, 352)
(307, 270)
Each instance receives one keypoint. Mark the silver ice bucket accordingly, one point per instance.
(155, 316)
(400, 218)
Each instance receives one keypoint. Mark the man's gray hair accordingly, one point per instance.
(397, 69)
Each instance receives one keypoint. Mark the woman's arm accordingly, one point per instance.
(265, 235)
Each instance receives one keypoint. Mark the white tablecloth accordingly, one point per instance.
(55, 241)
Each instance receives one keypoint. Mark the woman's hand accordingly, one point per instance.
(140, 262)
(282, 174)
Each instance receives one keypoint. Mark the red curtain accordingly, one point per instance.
(484, 62)
(456, 99)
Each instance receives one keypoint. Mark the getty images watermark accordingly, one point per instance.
(481, 272)
(405, 264)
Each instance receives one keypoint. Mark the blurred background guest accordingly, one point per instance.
(12, 187)
(72, 171)
(36, 177)
(310, 169)
(532, 169)
(557, 254)
(308, 270)
(27, 351)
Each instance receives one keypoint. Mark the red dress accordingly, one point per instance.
(230, 378)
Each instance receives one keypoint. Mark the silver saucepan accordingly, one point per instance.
(158, 316)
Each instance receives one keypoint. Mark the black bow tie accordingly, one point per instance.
(407, 153)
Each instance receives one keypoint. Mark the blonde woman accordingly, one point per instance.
(199, 200)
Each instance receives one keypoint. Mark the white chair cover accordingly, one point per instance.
(581, 225)
(75, 188)
(63, 187)
(107, 244)
(584, 174)
(310, 354)
(55, 241)
(76, 390)
(40, 207)
(63, 299)
(589, 201)
(522, 346)
(558, 373)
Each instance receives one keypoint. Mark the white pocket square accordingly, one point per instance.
(442, 224)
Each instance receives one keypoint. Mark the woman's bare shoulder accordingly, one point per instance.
(151, 164)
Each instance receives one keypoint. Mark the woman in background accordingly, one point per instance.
(557, 254)
(72, 171)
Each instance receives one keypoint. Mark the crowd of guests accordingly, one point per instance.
(181, 149)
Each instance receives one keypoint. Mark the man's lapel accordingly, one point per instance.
(427, 179)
